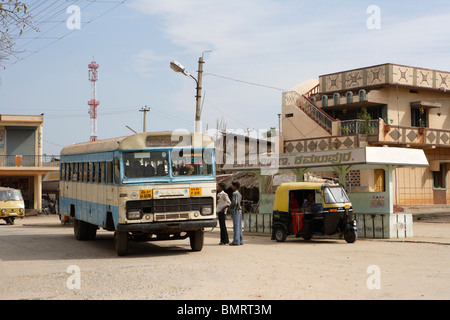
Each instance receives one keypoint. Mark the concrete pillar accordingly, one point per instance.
(342, 172)
(389, 185)
(38, 192)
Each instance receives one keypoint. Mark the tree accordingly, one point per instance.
(14, 19)
(270, 133)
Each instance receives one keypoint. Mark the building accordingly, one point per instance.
(386, 105)
(22, 163)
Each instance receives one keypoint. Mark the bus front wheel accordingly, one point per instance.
(196, 239)
(121, 242)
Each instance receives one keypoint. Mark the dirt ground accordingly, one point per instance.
(36, 252)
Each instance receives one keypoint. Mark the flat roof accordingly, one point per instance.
(16, 118)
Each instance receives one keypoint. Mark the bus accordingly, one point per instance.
(143, 187)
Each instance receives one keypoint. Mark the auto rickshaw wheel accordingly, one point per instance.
(307, 236)
(9, 221)
(350, 236)
(280, 235)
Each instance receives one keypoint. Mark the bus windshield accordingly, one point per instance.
(146, 164)
(182, 162)
(335, 195)
(10, 195)
(192, 162)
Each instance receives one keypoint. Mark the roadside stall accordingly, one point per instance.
(373, 208)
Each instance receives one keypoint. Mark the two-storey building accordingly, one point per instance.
(386, 105)
(22, 163)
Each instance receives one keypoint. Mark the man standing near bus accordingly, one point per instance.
(237, 214)
(223, 202)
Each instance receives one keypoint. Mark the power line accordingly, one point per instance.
(48, 18)
(247, 82)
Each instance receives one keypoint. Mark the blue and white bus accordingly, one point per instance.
(144, 187)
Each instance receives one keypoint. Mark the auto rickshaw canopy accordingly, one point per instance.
(282, 193)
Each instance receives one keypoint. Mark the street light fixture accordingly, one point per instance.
(178, 67)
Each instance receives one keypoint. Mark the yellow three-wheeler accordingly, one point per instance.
(11, 205)
(306, 209)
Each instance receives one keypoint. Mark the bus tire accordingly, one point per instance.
(196, 238)
(91, 232)
(84, 231)
(121, 243)
(79, 230)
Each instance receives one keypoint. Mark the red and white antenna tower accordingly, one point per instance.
(93, 103)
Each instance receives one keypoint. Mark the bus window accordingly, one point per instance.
(69, 172)
(116, 170)
(109, 173)
(83, 172)
(146, 164)
(102, 172)
(63, 171)
(95, 172)
(192, 162)
(89, 171)
(74, 171)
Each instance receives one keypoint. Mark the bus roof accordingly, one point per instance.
(146, 140)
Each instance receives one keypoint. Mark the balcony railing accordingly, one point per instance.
(350, 127)
(29, 161)
(414, 136)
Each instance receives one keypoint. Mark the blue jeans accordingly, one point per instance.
(237, 228)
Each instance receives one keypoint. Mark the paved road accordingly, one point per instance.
(36, 254)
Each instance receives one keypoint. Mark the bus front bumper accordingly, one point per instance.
(167, 227)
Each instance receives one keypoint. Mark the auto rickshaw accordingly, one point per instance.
(11, 205)
(307, 209)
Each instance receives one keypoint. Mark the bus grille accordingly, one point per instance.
(171, 216)
(178, 206)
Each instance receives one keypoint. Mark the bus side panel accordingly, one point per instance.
(91, 212)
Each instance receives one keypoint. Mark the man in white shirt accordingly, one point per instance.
(223, 202)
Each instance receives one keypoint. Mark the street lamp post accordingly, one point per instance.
(177, 67)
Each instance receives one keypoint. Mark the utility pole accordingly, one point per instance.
(145, 110)
(198, 110)
(177, 67)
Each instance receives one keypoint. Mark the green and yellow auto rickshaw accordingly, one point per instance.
(11, 205)
(307, 209)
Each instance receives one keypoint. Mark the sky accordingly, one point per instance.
(259, 48)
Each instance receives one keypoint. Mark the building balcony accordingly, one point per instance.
(418, 137)
(362, 133)
(28, 162)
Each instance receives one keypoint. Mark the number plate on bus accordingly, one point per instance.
(196, 192)
(145, 194)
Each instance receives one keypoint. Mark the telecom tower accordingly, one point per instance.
(93, 103)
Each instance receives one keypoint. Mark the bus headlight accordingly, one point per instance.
(134, 215)
(206, 211)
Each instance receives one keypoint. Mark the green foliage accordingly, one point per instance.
(14, 18)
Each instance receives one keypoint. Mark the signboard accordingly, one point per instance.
(304, 160)
(2, 139)
(367, 156)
